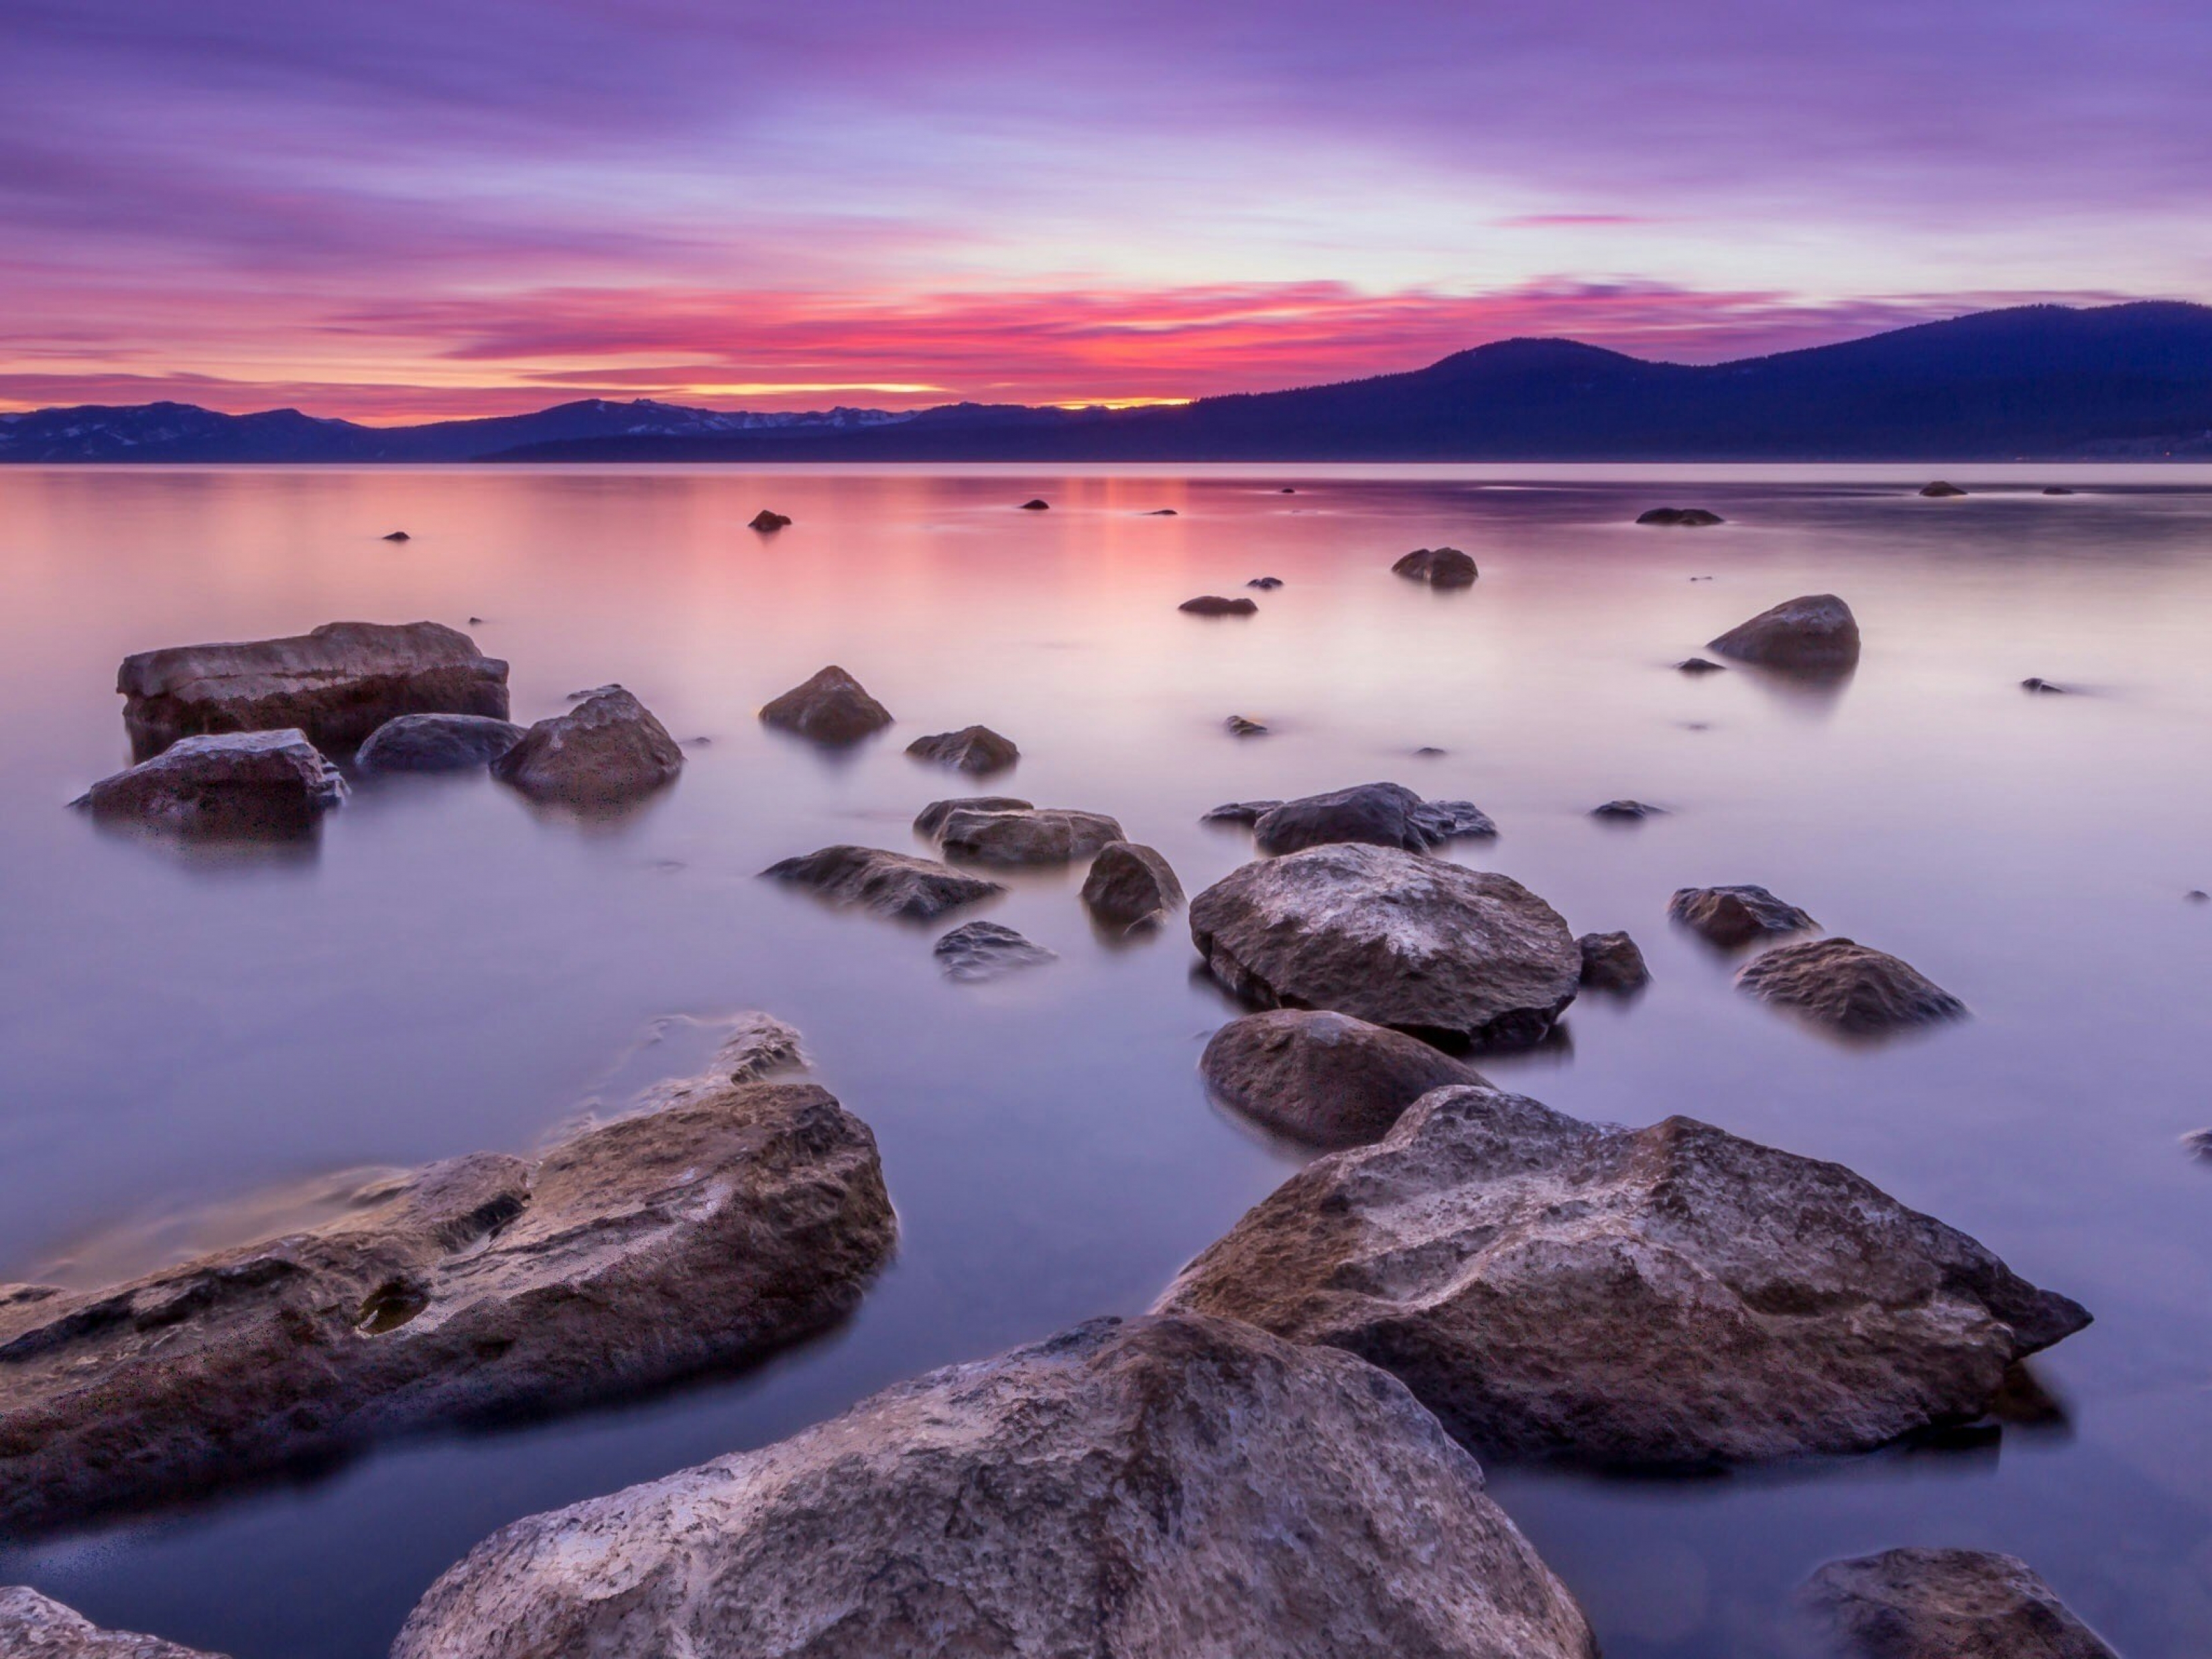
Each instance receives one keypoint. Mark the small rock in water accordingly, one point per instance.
(832, 707)
(972, 748)
(1244, 726)
(437, 743)
(1379, 814)
(1700, 665)
(2197, 895)
(1213, 605)
(888, 883)
(2199, 1142)
(1939, 489)
(1439, 567)
(765, 520)
(232, 785)
(1628, 811)
(33, 1627)
(930, 820)
(1037, 504)
(2057, 489)
(1815, 632)
(1940, 1604)
(1841, 984)
(1611, 962)
(398, 536)
(1286, 491)
(1160, 513)
(608, 750)
(1689, 517)
(1246, 812)
(1325, 1078)
(984, 949)
(475, 622)
(1035, 835)
(1267, 583)
(2037, 683)
(1130, 885)
(1428, 751)
(1734, 916)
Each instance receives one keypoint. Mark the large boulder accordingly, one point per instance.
(337, 684)
(889, 883)
(971, 749)
(1816, 633)
(977, 950)
(33, 1627)
(1734, 916)
(605, 751)
(1380, 814)
(437, 743)
(237, 784)
(1846, 985)
(1669, 1296)
(1325, 1078)
(1129, 885)
(1942, 1604)
(1439, 567)
(1392, 937)
(706, 1234)
(1130, 1490)
(832, 707)
(1036, 835)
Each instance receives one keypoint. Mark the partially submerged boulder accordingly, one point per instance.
(889, 883)
(1942, 1604)
(987, 950)
(1439, 567)
(1390, 937)
(930, 820)
(1129, 885)
(1700, 665)
(1150, 1487)
(437, 743)
(242, 785)
(1688, 518)
(1732, 917)
(1035, 504)
(1246, 812)
(608, 750)
(1324, 1079)
(33, 1627)
(972, 748)
(832, 707)
(1841, 984)
(1939, 490)
(1815, 633)
(1213, 604)
(337, 684)
(1612, 962)
(1671, 1296)
(1036, 835)
(765, 520)
(1379, 814)
(708, 1234)
(1244, 725)
(1627, 811)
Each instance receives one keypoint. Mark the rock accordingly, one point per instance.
(1838, 983)
(1439, 567)
(1428, 751)
(398, 536)
(437, 743)
(1213, 604)
(1246, 812)
(2035, 682)
(2199, 1142)
(985, 950)
(1162, 1487)
(1611, 962)
(889, 883)
(1700, 666)
(1325, 1078)
(1939, 489)
(764, 521)
(608, 750)
(1160, 513)
(1942, 1604)
(971, 749)
(1041, 835)
(831, 707)
(2057, 489)
(1692, 518)
(1244, 725)
(246, 785)
(705, 1236)
(930, 820)
(1286, 491)
(1268, 583)
(1391, 936)
(1129, 885)
(1734, 916)
(1628, 811)
(1035, 504)
(1671, 1296)
(475, 622)
(32, 1627)
(1816, 632)
(1380, 814)
(337, 684)
(2197, 895)
(757, 1046)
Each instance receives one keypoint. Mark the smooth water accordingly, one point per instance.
(183, 1033)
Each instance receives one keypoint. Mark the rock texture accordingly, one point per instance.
(929, 822)
(1843, 984)
(1129, 885)
(972, 748)
(832, 707)
(437, 743)
(985, 950)
(1670, 1296)
(247, 784)
(337, 684)
(1035, 504)
(1439, 567)
(1942, 1604)
(608, 750)
(1387, 936)
(1379, 814)
(1244, 725)
(1036, 835)
(1731, 917)
(1816, 633)
(33, 1627)
(1689, 518)
(1213, 604)
(1325, 1078)
(1153, 1489)
(889, 883)
(1611, 962)
(708, 1234)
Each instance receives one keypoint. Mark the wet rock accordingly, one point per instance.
(398, 536)
(1041, 835)
(889, 883)
(242, 785)
(33, 1627)
(2057, 489)
(1129, 885)
(1439, 567)
(1939, 490)
(2197, 895)
(437, 743)
(756, 1046)
(985, 950)
(337, 684)
(1628, 811)
(1815, 632)
(1700, 665)
(2050, 688)
(1160, 513)
(1213, 604)
(1380, 814)
(972, 748)
(1671, 1296)
(1942, 1604)
(1267, 583)
(765, 520)
(831, 707)
(1690, 518)
(608, 750)
(1148, 1487)
(706, 1234)
(1035, 504)
(1392, 937)
(930, 820)
(1244, 725)
(1246, 812)
(1731, 917)
(2199, 1143)
(1840, 983)
(1324, 1079)
(1428, 751)
(1611, 962)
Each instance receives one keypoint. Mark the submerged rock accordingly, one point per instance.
(1628, 811)
(608, 750)
(337, 684)
(2199, 1143)
(831, 707)
(1040, 834)
(1838, 982)
(1380, 814)
(2050, 688)
(1035, 504)
(33, 1627)
(765, 520)
(397, 535)
(1177, 1487)
(971, 749)
(1246, 812)
(708, 1234)
(1939, 489)
(1942, 1604)
(1439, 567)
(1815, 632)
(1734, 916)
(1612, 962)
(1267, 583)
(1691, 518)
(889, 883)
(1700, 665)
(1244, 725)
(1129, 885)
(1213, 604)
(1672, 1296)
(930, 820)
(986, 950)
(1325, 1078)
(240, 785)
(437, 743)
(2057, 489)
(1392, 937)
(1159, 513)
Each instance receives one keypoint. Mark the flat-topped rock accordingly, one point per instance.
(1213, 605)
(831, 707)
(1672, 1296)
(1150, 1489)
(706, 1234)
(1687, 518)
(608, 750)
(1130, 885)
(337, 684)
(1379, 814)
(1612, 962)
(1439, 567)
(1732, 917)
(232, 785)
(975, 748)
(437, 743)
(978, 951)
(1841, 984)
(1390, 937)
(1815, 633)
(930, 820)
(1323, 1079)
(33, 1627)
(1940, 1604)
(1036, 835)
(889, 883)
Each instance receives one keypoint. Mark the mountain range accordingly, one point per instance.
(2121, 382)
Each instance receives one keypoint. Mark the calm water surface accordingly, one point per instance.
(448, 970)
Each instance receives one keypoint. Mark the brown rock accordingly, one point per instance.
(32, 1627)
(1814, 634)
(831, 707)
(242, 785)
(1731, 917)
(1943, 1604)
(608, 750)
(1129, 885)
(1041, 835)
(1439, 567)
(1843, 984)
(1213, 604)
(1611, 962)
(889, 883)
(1325, 1078)
(930, 820)
(972, 748)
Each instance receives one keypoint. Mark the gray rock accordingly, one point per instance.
(1439, 567)
(1672, 1296)
(2048, 688)
(1213, 604)
(706, 1234)
(1267, 584)
(1611, 962)
(606, 751)
(1040, 834)
(1942, 1604)
(32, 1627)
(830, 708)
(765, 520)
(337, 684)
(929, 822)
(244, 785)
(1392, 937)
(889, 883)
(437, 743)
(1130, 885)
(1732, 917)
(1689, 518)
(1150, 1489)
(2057, 489)
(1815, 633)
(1840, 983)
(1324, 1079)
(1244, 725)
(1379, 814)
(2199, 1142)
(971, 749)
(985, 950)
(1628, 811)
(1939, 489)
(1700, 665)
(1246, 812)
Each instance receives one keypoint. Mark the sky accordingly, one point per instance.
(409, 210)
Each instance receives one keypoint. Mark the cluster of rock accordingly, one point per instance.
(1439, 567)
(1836, 982)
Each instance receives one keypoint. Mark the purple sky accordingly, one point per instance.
(393, 208)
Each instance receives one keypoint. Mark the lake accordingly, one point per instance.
(447, 970)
